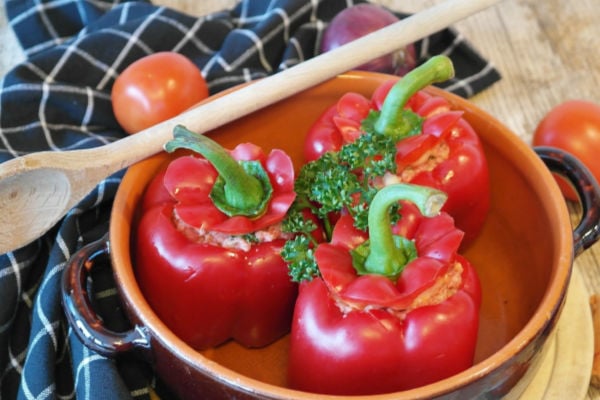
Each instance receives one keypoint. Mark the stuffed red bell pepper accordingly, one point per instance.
(390, 311)
(207, 250)
(435, 145)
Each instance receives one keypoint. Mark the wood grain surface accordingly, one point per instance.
(547, 52)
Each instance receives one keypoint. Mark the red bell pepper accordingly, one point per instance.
(207, 250)
(435, 145)
(389, 312)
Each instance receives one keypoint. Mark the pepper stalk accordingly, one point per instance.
(385, 253)
(393, 120)
(242, 188)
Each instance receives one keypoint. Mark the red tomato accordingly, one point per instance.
(155, 88)
(573, 126)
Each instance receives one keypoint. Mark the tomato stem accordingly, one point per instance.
(242, 188)
(387, 255)
(436, 69)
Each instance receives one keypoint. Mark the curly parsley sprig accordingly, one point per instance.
(335, 182)
(343, 180)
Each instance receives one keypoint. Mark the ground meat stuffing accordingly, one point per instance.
(444, 287)
(427, 162)
(227, 240)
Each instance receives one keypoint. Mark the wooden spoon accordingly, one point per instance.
(38, 189)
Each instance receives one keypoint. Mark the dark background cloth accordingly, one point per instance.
(59, 99)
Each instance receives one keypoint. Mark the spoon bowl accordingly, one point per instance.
(32, 200)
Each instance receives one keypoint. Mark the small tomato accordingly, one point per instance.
(155, 88)
(573, 126)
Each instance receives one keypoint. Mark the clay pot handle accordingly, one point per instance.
(84, 321)
(587, 232)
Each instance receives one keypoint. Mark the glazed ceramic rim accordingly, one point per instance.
(543, 319)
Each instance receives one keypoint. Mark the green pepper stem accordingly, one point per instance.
(436, 69)
(242, 190)
(385, 257)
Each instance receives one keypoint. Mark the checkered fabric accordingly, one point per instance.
(59, 99)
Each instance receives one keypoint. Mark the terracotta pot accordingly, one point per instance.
(524, 258)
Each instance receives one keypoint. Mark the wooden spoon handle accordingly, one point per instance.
(264, 92)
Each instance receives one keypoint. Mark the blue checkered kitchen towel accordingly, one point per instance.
(59, 99)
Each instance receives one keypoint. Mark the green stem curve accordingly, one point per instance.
(385, 256)
(436, 69)
(242, 192)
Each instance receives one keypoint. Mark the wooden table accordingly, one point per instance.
(547, 52)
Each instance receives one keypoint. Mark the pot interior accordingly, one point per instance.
(522, 255)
